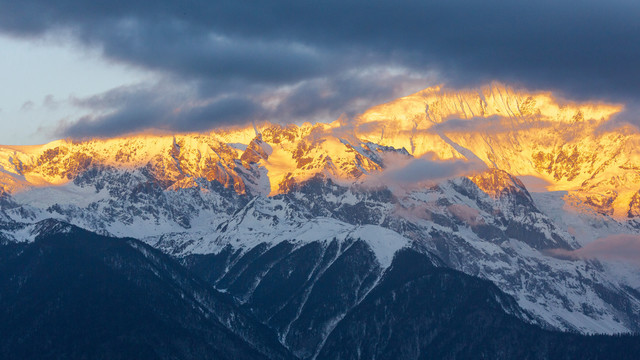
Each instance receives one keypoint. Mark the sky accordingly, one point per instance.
(80, 69)
(41, 79)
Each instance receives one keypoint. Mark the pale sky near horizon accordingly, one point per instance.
(40, 77)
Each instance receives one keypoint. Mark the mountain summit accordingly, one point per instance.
(498, 184)
(534, 135)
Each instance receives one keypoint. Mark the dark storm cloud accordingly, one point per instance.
(583, 49)
(171, 107)
(344, 94)
(136, 109)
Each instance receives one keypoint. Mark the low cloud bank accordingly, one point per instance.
(406, 171)
(621, 247)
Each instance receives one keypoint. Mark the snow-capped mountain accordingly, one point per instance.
(321, 210)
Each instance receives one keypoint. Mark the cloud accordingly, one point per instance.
(134, 109)
(416, 212)
(50, 103)
(27, 106)
(489, 125)
(299, 49)
(347, 93)
(534, 183)
(619, 123)
(466, 213)
(174, 106)
(621, 247)
(408, 171)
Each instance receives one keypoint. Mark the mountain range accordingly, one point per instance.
(442, 224)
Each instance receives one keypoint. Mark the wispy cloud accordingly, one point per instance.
(489, 125)
(409, 172)
(621, 247)
(50, 103)
(27, 106)
(466, 213)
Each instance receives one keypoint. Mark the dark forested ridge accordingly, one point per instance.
(78, 295)
(422, 312)
(74, 294)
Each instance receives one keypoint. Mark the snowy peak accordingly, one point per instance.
(537, 135)
(281, 157)
(524, 134)
(436, 105)
(499, 183)
(275, 204)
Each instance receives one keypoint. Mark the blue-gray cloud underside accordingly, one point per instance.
(250, 49)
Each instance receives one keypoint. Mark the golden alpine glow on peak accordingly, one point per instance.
(524, 134)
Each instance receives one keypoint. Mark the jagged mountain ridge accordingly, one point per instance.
(470, 230)
(525, 134)
(287, 154)
(521, 133)
(250, 190)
